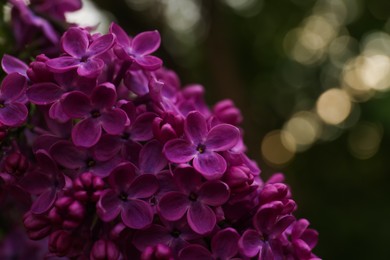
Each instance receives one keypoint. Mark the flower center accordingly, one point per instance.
(84, 59)
(193, 197)
(123, 196)
(175, 233)
(2, 104)
(201, 148)
(91, 162)
(95, 113)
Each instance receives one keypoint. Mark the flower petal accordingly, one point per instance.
(201, 218)
(100, 45)
(76, 104)
(151, 159)
(114, 121)
(195, 252)
(75, 42)
(210, 164)
(108, 207)
(13, 114)
(146, 43)
(121, 36)
(107, 147)
(173, 205)
(179, 151)
(151, 236)
(141, 129)
(222, 137)
(149, 62)
(104, 96)
(250, 243)
(11, 64)
(122, 176)
(87, 132)
(214, 193)
(225, 243)
(44, 202)
(12, 87)
(67, 155)
(91, 68)
(143, 186)
(195, 127)
(137, 214)
(44, 93)
(62, 64)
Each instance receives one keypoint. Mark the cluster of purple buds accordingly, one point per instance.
(120, 162)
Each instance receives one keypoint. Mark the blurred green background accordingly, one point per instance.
(311, 78)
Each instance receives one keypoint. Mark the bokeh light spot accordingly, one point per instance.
(273, 150)
(334, 106)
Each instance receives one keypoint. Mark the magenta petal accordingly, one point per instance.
(210, 164)
(225, 243)
(36, 183)
(151, 236)
(75, 42)
(151, 159)
(12, 86)
(179, 151)
(91, 68)
(62, 64)
(56, 112)
(141, 129)
(250, 243)
(114, 121)
(104, 96)
(76, 104)
(299, 227)
(195, 127)
(67, 155)
(44, 202)
(222, 137)
(143, 186)
(122, 176)
(173, 206)
(137, 214)
(187, 179)
(121, 36)
(107, 147)
(195, 252)
(87, 132)
(201, 218)
(149, 62)
(146, 43)
(13, 114)
(11, 64)
(44, 93)
(282, 224)
(46, 163)
(108, 206)
(101, 45)
(214, 193)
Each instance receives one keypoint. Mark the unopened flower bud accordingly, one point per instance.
(158, 252)
(37, 226)
(16, 164)
(104, 249)
(60, 242)
(88, 187)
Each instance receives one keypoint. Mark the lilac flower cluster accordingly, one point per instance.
(116, 161)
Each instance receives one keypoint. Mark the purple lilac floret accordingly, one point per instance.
(114, 160)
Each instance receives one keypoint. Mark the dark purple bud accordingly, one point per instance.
(88, 187)
(60, 242)
(38, 72)
(16, 164)
(104, 249)
(227, 112)
(37, 226)
(239, 178)
(158, 252)
(67, 212)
